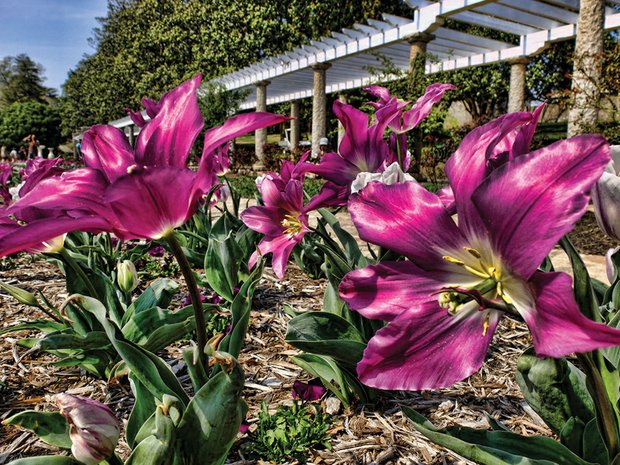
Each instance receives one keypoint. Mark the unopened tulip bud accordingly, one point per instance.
(127, 276)
(20, 295)
(93, 427)
(606, 197)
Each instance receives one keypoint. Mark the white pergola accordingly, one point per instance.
(353, 53)
(352, 58)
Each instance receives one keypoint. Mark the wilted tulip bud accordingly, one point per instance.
(606, 197)
(93, 427)
(127, 276)
(309, 392)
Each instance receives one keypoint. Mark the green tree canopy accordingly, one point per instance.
(21, 80)
(145, 47)
(22, 118)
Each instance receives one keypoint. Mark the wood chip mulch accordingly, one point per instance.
(370, 434)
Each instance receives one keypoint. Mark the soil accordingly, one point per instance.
(362, 434)
(588, 238)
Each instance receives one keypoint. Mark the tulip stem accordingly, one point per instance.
(194, 295)
(605, 415)
(64, 253)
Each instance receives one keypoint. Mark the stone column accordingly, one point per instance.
(295, 126)
(131, 136)
(260, 134)
(417, 61)
(516, 95)
(319, 102)
(343, 99)
(587, 67)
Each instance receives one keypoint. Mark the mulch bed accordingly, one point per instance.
(363, 434)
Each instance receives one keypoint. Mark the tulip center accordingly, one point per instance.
(484, 293)
(292, 225)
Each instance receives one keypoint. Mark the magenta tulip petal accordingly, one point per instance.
(424, 105)
(390, 289)
(428, 350)
(362, 146)
(517, 142)
(167, 139)
(145, 205)
(238, 126)
(105, 148)
(382, 93)
(558, 327)
(446, 195)
(530, 203)
(336, 169)
(281, 246)
(137, 118)
(331, 195)
(80, 189)
(233, 127)
(265, 220)
(274, 197)
(408, 219)
(152, 107)
(467, 167)
(15, 238)
(37, 170)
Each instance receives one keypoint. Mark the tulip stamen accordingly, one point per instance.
(473, 252)
(486, 324)
(292, 225)
(456, 261)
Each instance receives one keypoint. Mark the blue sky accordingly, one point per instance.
(53, 33)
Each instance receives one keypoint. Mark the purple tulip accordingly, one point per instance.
(606, 197)
(309, 392)
(411, 118)
(93, 427)
(443, 304)
(136, 194)
(362, 149)
(283, 220)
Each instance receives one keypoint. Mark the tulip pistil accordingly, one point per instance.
(491, 287)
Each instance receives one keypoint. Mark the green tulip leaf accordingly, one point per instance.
(496, 447)
(51, 427)
(326, 333)
(211, 421)
(555, 389)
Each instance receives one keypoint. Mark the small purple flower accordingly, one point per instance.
(244, 427)
(309, 392)
(214, 298)
(157, 251)
(188, 301)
